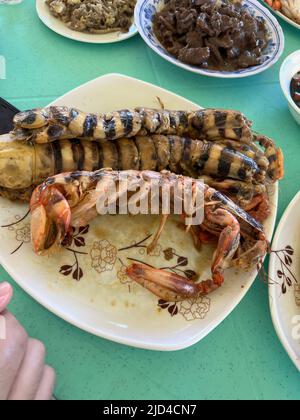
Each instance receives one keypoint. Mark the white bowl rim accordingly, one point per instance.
(282, 76)
(225, 75)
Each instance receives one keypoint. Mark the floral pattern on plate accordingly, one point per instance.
(104, 256)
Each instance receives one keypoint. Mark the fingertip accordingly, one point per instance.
(6, 293)
(46, 388)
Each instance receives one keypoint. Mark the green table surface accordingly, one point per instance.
(242, 358)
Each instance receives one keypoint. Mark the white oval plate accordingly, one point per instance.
(105, 302)
(60, 28)
(285, 308)
(284, 17)
(146, 9)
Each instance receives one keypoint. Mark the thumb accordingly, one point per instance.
(6, 293)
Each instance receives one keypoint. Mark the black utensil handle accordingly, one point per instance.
(7, 113)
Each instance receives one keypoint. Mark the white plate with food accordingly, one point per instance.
(86, 283)
(292, 10)
(284, 288)
(62, 24)
(209, 51)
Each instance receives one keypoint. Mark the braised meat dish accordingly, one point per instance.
(213, 34)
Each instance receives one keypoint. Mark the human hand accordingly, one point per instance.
(23, 373)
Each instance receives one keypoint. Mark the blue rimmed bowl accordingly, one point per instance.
(144, 14)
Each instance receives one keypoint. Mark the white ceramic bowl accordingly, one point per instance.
(144, 14)
(289, 68)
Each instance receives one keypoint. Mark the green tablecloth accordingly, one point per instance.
(242, 358)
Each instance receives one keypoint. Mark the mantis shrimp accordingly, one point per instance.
(70, 200)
